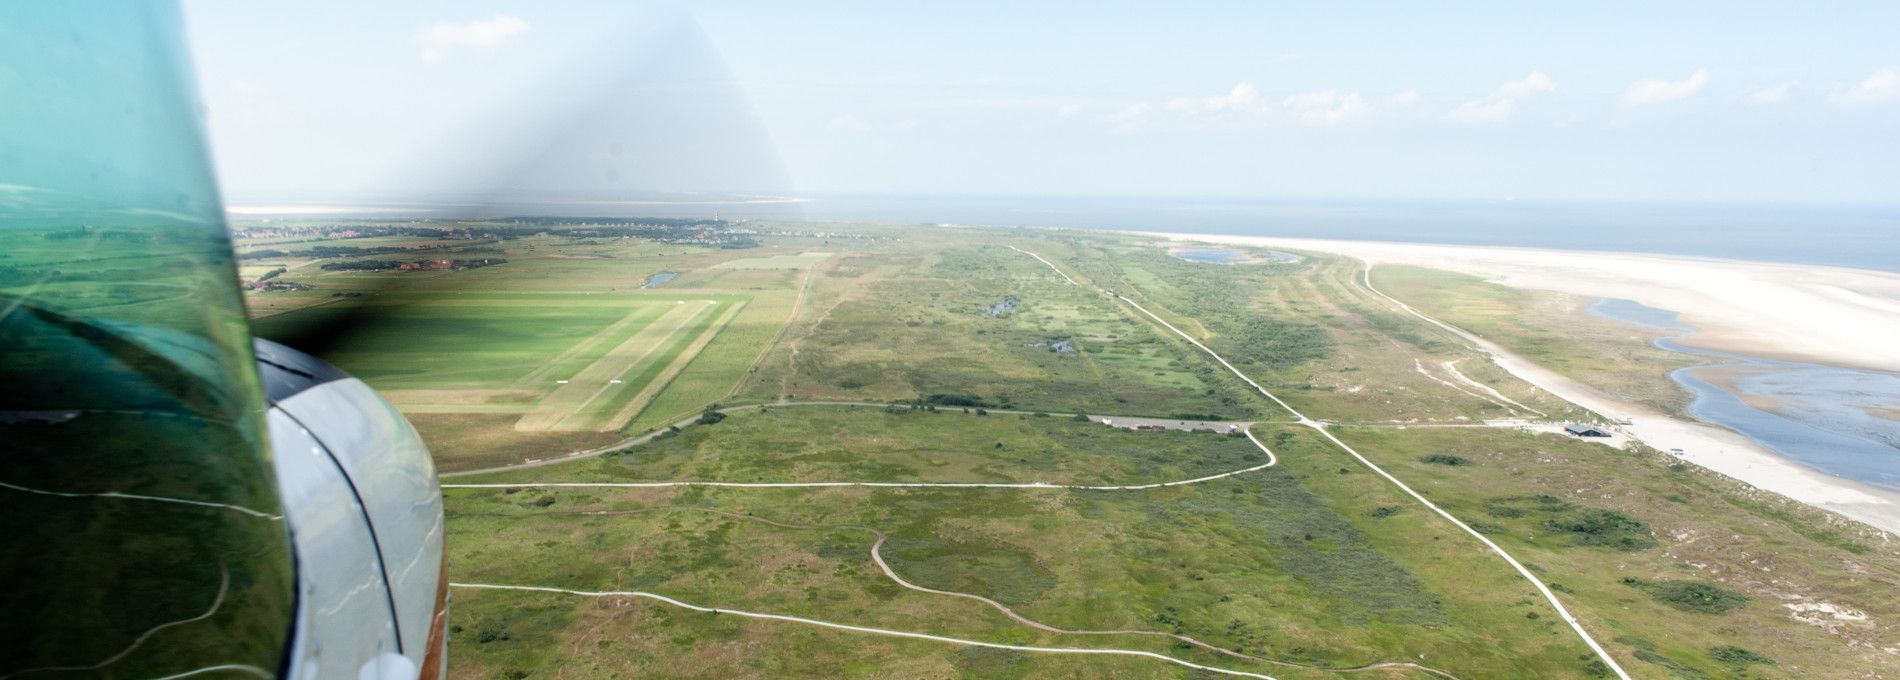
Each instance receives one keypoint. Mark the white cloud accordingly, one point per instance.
(1881, 86)
(1069, 109)
(1503, 103)
(1244, 98)
(438, 40)
(849, 122)
(1658, 91)
(1773, 94)
(1132, 118)
(1402, 99)
(1326, 107)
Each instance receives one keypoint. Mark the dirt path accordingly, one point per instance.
(866, 629)
(1271, 461)
(1321, 428)
(1302, 419)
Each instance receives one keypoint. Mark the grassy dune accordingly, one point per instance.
(1552, 329)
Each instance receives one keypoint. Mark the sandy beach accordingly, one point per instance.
(1827, 315)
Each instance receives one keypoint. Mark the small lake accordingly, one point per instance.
(1229, 256)
(1821, 416)
(657, 279)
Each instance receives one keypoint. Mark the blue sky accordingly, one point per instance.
(1613, 101)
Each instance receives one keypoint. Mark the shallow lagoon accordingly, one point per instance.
(1822, 416)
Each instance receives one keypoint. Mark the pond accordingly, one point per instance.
(1230, 256)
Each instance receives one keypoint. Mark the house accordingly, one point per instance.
(1582, 430)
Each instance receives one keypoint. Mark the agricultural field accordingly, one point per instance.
(882, 456)
(564, 347)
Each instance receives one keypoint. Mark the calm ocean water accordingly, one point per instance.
(1864, 236)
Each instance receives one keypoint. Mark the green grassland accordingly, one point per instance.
(1310, 331)
(1291, 563)
(843, 443)
(1316, 563)
(1543, 497)
(1552, 329)
(921, 319)
(474, 356)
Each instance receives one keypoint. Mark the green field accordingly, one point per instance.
(906, 324)
(1276, 563)
(1309, 568)
(559, 349)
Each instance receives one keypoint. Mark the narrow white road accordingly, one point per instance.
(1271, 461)
(866, 629)
(1320, 427)
(1052, 265)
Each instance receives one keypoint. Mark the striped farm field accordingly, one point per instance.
(552, 362)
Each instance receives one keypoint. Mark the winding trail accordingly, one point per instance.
(877, 557)
(866, 629)
(728, 410)
(1271, 461)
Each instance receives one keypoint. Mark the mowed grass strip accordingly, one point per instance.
(662, 375)
(719, 369)
(415, 341)
(556, 411)
(587, 351)
(596, 414)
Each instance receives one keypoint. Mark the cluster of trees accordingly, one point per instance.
(83, 232)
(385, 265)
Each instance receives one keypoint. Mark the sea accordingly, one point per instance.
(1865, 236)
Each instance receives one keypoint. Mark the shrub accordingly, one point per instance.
(955, 400)
(1443, 459)
(1700, 597)
(1731, 654)
(1604, 528)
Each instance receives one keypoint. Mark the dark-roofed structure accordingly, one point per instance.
(1582, 430)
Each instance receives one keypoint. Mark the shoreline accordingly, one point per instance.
(1695, 288)
(1834, 316)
